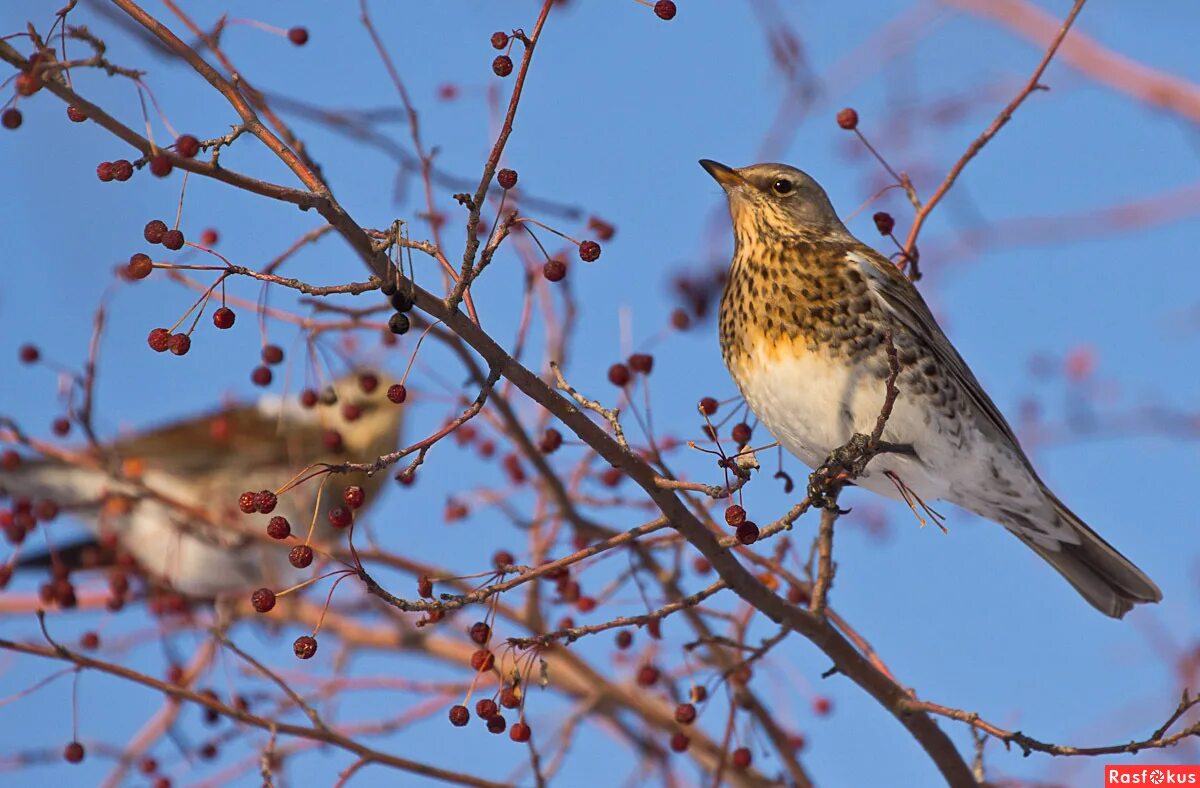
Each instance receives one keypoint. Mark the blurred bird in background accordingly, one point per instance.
(168, 498)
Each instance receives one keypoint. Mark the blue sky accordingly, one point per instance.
(618, 108)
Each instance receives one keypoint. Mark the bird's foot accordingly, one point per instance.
(843, 465)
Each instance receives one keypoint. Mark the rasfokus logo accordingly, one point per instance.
(1151, 774)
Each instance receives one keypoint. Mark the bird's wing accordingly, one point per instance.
(899, 297)
(252, 436)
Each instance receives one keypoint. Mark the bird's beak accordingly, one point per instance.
(726, 176)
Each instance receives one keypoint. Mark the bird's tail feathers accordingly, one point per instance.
(66, 485)
(1106, 579)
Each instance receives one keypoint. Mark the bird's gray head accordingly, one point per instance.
(776, 200)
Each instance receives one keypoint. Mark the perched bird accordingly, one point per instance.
(804, 321)
(169, 497)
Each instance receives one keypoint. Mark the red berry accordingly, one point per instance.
(459, 716)
(502, 66)
(735, 515)
(224, 317)
(122, 170)
(160, 165)
(741, 433)
(822, 705)
(173, 240)
(496, 724)
(247, 502)
(179, 344)
(261, 375)
(139, 267)
(75, 114)
(741, 758)
(624, 639)
(685, 714)
(368, 382)
(61, 426)
(187, 146)
(680, 742)
(340, 517)
(73, 752)
(520, 732)
(354, 496)
(618, 375)
(263, 600)
(155, 230)
(301, 556)
(147, 765)
(11, 119)
(333, 440)
(279, 527)
(208, 237)
(425, 586)
(589, 251)
(89, 641)
(641, 363)
(29, 354)
(399, 323)
(480, 633)
(665, 9)
(27, 84)
(308, 398)
(647, 676)
(298, 36)
(506, 178)
(554, 270)
(265, 501)
(272, 354)
(747, 533)
(103, 170)
(499, 40)
(847, 119)
(486, 709)
(551, 440)
(159, 339)
(397, 393)
(884, 222)
(680, 320)
(503, 558)
(482, 660)
(699, 693)
(305, 647)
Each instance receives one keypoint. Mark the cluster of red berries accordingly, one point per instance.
(747, 530)
(402, 302)
(502, 66)
(263, 502)
(161, 339)
(119, 170)
(620, 374)
(488, 710)
(156, 232)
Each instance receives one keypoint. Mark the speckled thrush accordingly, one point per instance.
(176, 487)
(803, 326)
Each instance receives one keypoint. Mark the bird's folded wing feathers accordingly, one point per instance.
(902, 300)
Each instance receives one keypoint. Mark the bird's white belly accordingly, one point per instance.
(812, 406)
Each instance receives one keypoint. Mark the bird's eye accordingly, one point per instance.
(783, 186)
